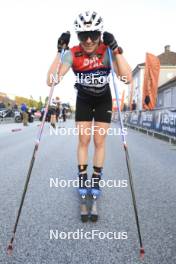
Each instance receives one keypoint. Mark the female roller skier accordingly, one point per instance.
(90, 63)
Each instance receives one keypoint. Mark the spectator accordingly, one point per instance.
(133, 105)
(64, 114)
(24, 114)
(15, 107)
(57, 111)
(147, 102)
(124, 108)
(53, 111)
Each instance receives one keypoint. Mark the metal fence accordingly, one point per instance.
(160, 120)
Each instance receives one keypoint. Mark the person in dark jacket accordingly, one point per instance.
(133, 105)
(64, 114)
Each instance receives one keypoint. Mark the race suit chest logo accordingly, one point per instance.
(92, 62)
(94, 75)
(98, 77)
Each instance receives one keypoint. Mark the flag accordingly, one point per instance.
(150, 86)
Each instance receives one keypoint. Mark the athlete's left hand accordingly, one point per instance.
(110, 40)
(63, 41)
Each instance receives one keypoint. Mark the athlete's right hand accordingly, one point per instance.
(63, 41)
(110, 40)
(52, 79)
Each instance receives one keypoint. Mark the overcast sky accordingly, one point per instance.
(29, 30)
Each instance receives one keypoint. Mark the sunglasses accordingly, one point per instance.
(93, 35)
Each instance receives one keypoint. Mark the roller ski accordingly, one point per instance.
(83, 194)
(94, 212)
(95, 193)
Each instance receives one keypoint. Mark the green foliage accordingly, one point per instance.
(29, 102)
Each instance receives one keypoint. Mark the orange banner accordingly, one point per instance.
(150, 86)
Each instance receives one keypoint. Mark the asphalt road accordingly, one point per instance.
(46, 209)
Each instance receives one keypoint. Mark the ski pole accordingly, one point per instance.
(10, 246)
(142, 252)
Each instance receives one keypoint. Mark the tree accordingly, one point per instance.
(46, 100)
(31, 101)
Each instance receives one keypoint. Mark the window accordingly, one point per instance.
(167, 98)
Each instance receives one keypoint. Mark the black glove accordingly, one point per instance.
(109, 40)
(63, 40)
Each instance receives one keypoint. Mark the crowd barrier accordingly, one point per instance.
(159, 120)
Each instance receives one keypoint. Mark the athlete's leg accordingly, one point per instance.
(83, 118)
(100, 132)
(82, 154)
(84, 140)
(102, 119)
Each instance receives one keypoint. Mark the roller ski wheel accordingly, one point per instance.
(95, 194)
(84, 213)
(94, 212)
(83, 193)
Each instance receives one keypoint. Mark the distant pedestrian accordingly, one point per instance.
(54, 111)
(15, 107)
(64, 114)
(58, 108)
(24, 114)
(124, 107)
(146, 102)
(133, 106)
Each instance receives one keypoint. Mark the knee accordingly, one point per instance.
(84, 141)
(99, 142)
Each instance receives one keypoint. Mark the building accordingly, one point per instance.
(2, 96)
(167, 94)
(167, 73)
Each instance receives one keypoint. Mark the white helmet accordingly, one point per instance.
(88, 21)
